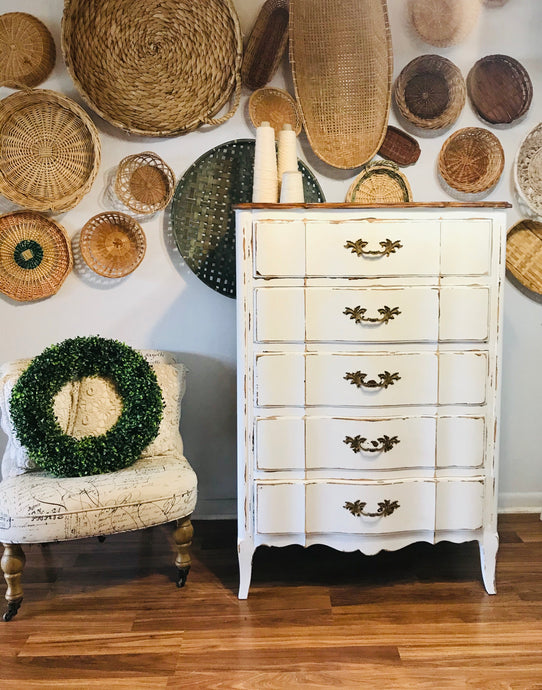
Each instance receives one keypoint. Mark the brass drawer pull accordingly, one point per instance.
(385, 508)
(383, 444)
(358, 314)
(357, 378)
(358, 247)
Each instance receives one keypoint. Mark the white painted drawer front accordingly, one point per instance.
(459, 504)
(279, 249)
(280, 508)
(466, 247)
(402, 248)
(461, 441)
(464, 314)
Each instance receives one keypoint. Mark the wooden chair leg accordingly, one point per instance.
(183, 540)
(12, 564)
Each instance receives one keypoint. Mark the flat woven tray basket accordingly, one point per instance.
(112, 244)
(379, 182)
(35, 256)
(341, 57)
(144, 183)
(266, 44)
(443, 23)
(154, 67)
(524, 254)
(27, 50)
(49, 150)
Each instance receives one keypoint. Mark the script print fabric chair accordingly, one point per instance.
(36, 507)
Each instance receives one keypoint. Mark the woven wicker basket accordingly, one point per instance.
(113, 244)
(524, 254)
(266, 44)
(443, 22)
(380, 182)
(275, 106)
(27, 50)
(49, 150)
(35, 256)
(471, 160)
(158, 67)
(144, 183)
(430, 92)
(341, 57)
(528, 170)
(399, 147)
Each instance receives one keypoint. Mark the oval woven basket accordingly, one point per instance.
(499, 89)
(144, 183)
(158, 67)
(528, 170)
(266, 44)
(49, 150)
(112, 244)
(430, 92)
(35, 256)
(443, 23)
(399, 147)
(524, 254)
(341, 60)
(471, 160)
(275, 106)
(27, 50)
(379, 182)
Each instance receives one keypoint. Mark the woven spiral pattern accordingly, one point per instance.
(27, 50)
(49, 150)
(144, 183)
(35, 256)
(158, 67)
(380, 182)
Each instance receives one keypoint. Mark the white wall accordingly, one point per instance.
(163, 305)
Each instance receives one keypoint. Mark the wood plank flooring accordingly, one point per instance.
(109, 616)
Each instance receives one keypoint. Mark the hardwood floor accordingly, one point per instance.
(109, 616)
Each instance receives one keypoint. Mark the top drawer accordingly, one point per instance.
(372, 248)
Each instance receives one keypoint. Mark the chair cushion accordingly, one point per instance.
(36, 507)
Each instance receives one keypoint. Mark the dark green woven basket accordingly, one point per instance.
(202, 216)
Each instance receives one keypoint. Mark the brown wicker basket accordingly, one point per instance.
(379, 182)
(341, 57)
(524, 254)
(49, 150)
(144, 183)
(471, 160)
(113, 244)
(399, 147)
(27, 50)
(158, 67)
(443, 22)
(499, 89)
(35, 256)
(430, 92)
(275, 106)
(266, 44)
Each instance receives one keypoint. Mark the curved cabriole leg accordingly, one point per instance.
(183, 540)
(12, 563)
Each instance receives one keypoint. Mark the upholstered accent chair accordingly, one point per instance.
(36, 507)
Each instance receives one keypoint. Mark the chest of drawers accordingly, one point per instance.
(368, 376)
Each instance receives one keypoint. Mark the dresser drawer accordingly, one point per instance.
(409, 314)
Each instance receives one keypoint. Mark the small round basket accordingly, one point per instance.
(430, 92)
(524, 254)
(471, 160)
(27, 50)
(35, 256)
(144, 183)
(113, 244)
(379, 182)
(49, 150)
(275, 106)
(443, 23)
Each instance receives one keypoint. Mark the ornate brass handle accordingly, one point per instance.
(383, 444)
(385, 508)
(357, 378)
(358, 247)
(358, 314)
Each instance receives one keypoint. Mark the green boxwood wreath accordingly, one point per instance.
(38, 429)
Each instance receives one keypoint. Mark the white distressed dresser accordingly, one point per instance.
(368, 376)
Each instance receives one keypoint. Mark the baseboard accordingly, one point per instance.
(215, 509)
(529, 502)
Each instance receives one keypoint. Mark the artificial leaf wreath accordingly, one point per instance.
(37, 428)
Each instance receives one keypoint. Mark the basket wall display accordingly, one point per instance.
(202, 214)
(528, 170)
(144, 183)
(266, 44)
(471, 160)
(443, 23)
(499, 89)
(399, 147)
(341, 57)
(112, 244)
(430, 92)
(35, 255)
(49, 150)
(379, 182)
(155, 68)
(524, 254)
(275, 106)
(27, 50)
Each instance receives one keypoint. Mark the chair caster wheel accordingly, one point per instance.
(13, 607)
(182, 574)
